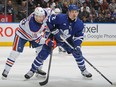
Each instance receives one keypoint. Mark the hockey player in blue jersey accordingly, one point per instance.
(71, 29)
(31, 29)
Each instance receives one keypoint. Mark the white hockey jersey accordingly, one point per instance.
(30, 30)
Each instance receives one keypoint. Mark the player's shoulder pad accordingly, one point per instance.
(79, 21)
(61, 17)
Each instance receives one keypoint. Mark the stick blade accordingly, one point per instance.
(44, 82)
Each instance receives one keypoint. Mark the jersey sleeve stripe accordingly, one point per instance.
(15, 44)
(25, 34)
(78, 38)
(38, 40)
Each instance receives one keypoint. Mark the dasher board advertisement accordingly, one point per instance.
(95, 34)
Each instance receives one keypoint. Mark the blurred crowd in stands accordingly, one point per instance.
(91, 11)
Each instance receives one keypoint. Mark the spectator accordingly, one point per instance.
(104, 6)
(65, 7)
(100, 1)
(94, 12)
(72, 2)
(92, 6)
(31, 6)
(22, 10)
(37, 2)
(60, 3)
(109, 1)
(100, 18)
(96, 5)
(10, 9)
(19, 2)
(1, 7)
(48, 9)
(84, 19)
(42, 3)
(48, 5)
(112, 6)
(84, 13)
(114, 13)
(52, 4)
(57, 5)
(88, 3)
(85, 7)
(109, 18)
(46, 1)
(79, 5)
(91, 19)
(81, 2)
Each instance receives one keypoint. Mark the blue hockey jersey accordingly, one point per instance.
(72, 29)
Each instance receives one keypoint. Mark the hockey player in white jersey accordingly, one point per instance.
(30, 29)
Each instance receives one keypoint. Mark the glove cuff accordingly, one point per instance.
(55, 32)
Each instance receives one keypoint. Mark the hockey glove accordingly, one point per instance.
(51, 43)
(57, 34)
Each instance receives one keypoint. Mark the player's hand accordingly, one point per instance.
(51, 43)
(57, 34)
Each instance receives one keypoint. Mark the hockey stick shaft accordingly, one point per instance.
(47, 78)
(87, 61)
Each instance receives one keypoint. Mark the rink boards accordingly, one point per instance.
(95, 34)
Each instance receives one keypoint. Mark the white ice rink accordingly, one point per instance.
(64, 71)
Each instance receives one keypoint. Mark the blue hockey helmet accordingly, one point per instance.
(73, 7)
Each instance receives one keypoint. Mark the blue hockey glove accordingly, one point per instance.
(51, 43)
(57, 34)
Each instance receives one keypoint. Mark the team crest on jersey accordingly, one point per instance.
(65, 33)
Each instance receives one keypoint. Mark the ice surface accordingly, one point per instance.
(64, 71)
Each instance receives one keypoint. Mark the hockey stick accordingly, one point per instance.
(47, 78)
(88, 62)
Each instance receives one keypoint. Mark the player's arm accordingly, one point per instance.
(53, 23)
(78, 39)
(22, 31)
(46, 40)
(79, 36)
